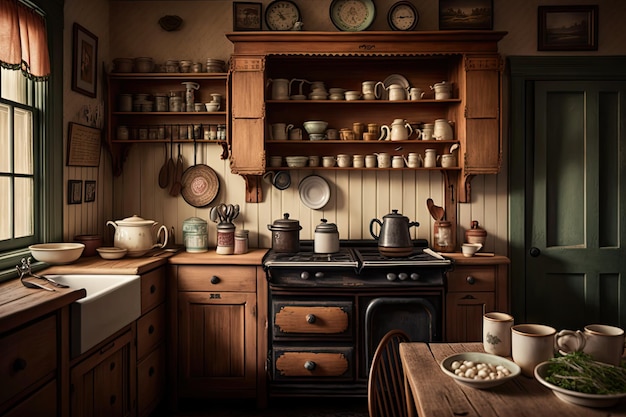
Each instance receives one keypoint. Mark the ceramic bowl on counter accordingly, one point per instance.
(296, 161)
(57, 253)
(111, 252)
(315, 126)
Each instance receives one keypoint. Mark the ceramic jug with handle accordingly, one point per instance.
(137, 235)
(443, 130)
(280, 88)
(396, 92)
(400, 130)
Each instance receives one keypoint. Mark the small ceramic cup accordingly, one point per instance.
(497, 333)
(314, 161)
(343, 160)
(531, 344)
(370, 161)
(603, 343)
(328, 161)
(276, 161)
(470, 249)
(358, 161)
(332, 134)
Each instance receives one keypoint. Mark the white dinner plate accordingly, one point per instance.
(314, 192)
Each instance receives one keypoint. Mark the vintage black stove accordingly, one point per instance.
(329, 311)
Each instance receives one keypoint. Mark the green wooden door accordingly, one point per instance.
(575, 198)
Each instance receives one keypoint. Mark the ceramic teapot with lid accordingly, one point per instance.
(395, 237)
(137, 235)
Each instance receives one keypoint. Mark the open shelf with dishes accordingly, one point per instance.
(287, 79)
(151, 108)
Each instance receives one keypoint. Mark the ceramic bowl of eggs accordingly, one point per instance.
(479, 370)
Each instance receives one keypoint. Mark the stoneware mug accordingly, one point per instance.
(497, 333)
(531, 344)
(603, 343)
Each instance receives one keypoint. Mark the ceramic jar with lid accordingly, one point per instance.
(285, 235)
(195, 235)
(241, 242)
(475, 234)
(326, 238)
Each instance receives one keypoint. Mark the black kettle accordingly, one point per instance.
(394, 239)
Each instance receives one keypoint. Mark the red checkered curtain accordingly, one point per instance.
(23, 40)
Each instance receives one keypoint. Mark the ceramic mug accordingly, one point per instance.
(531, 344)
(314, 161)
(295, 133)
(370, 161)
(416, 93)
(384, 160)
(276, 161)
(279, 131)
(358, 161)
(603, 343)
(497, 333)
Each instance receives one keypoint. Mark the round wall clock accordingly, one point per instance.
(352, 15)
(403, 16)
(281, 15)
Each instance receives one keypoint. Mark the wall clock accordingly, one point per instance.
(352, 15)
(281, 15)
(403, 16)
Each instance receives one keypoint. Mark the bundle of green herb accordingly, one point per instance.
(578, 372)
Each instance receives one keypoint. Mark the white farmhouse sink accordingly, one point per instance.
(112, 302)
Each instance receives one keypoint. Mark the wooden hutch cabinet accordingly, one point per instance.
(469, 60)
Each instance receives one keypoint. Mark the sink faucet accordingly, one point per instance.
(25, 271)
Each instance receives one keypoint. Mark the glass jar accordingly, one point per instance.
(442, 236)
(241, 242)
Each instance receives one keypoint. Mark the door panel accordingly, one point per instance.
(578, 276)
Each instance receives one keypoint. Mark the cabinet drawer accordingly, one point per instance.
(217, 278)
(43, 403)
(314, 317)
(150, 381)
(26, 356)
(152, 289)
(313, 362)
(474, 278)
(150, 330)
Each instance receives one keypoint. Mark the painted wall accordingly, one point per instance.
(128, 28)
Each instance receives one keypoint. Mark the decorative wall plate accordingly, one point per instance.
(352, 15)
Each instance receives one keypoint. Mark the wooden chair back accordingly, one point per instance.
(385, 390)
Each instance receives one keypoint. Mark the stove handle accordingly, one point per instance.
(310, 318)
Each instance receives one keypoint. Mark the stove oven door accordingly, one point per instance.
(419, 316)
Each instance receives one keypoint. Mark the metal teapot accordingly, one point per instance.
(394, 239)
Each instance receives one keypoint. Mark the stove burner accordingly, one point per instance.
(343, 258)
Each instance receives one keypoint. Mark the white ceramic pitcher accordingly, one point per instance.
(400, 130)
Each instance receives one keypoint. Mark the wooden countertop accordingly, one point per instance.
(253, 257)
(478, 259)
(436, 394)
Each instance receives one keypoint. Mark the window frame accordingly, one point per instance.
(49, 146)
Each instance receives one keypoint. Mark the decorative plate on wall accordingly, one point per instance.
(352, 15)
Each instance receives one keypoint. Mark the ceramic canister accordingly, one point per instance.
(195, 235)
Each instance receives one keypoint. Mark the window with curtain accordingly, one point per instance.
(27, 128)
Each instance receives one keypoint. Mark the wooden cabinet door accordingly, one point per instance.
(464, 315)
(103, 385)
(217, 343)
(483, 147)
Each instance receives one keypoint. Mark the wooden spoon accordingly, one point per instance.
(430, 204)
(439, 212)
(163, 173)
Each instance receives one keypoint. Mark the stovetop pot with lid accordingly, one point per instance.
(394, 238)
(285, 234)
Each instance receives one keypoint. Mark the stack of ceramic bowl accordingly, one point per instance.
(337, 93)
(143, 64)
(214, 65)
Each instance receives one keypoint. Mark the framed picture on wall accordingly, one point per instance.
(74, 191)
(465, 14)
(84, 61)
(247, 15)
(90, 191)
(567, 28)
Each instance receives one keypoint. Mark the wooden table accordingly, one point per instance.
(433, 393)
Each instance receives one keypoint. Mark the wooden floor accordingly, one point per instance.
(302, 407)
